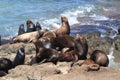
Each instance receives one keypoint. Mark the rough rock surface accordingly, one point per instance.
(49, 71)
(63, 70)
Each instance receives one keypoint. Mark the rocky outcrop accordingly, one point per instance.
(61, 71)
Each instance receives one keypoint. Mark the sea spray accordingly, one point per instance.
(111, 58)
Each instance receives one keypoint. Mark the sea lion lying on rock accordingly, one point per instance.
(5, 64)
(65, 27)
(100, 58)
(45, 55)
(68, 56)
(28, 37)
(81, 47)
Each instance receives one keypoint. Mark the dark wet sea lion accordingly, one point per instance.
(20, 57)
(100, 58)
(30, 26)
(2, 73)
(5, 64)
(46, 55)
(63, 41)
(21, 29)
(38, 26)
(65, 27)
(81, 46)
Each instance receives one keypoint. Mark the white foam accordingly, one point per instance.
(79, 12)
(99, 17)
(55, 23)
(111, 59)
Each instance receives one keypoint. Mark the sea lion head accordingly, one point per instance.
(80, 38)
(100, 58)
(22, 26)
(64, 19)
(28, 22)
(5, 64)
(38, 26)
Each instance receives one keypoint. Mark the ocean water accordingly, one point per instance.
(48, 13)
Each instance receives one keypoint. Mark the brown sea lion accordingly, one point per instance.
(38, 44)
(45, 55)
(28, 37)
(21, 29)
(63, 41)
(5, 64)
(68, 56)
(65, 27)
(38, 26)
(20, 57)
(100, 58)
(30, 26)
(81, 46)
(88, 62)
(47, 37)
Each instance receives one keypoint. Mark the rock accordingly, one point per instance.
(96, 42)
(117, 49)
(64, 67)
(12, 48)
(61, 71)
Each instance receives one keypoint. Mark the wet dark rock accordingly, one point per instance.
(96, 42)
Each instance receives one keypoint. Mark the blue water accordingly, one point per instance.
(48, 12)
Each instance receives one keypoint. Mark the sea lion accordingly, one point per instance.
(45, 55)
(38, 44)
(65, 27)
(20, 57)
(5, 64)
(63, 41)
(21, 29)
(28, 37)
(38, 26)
(2, 73)
(30, 26)
(68, 56)
(88, 62)
(100, 58)
(47, 38)
(81, 47)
